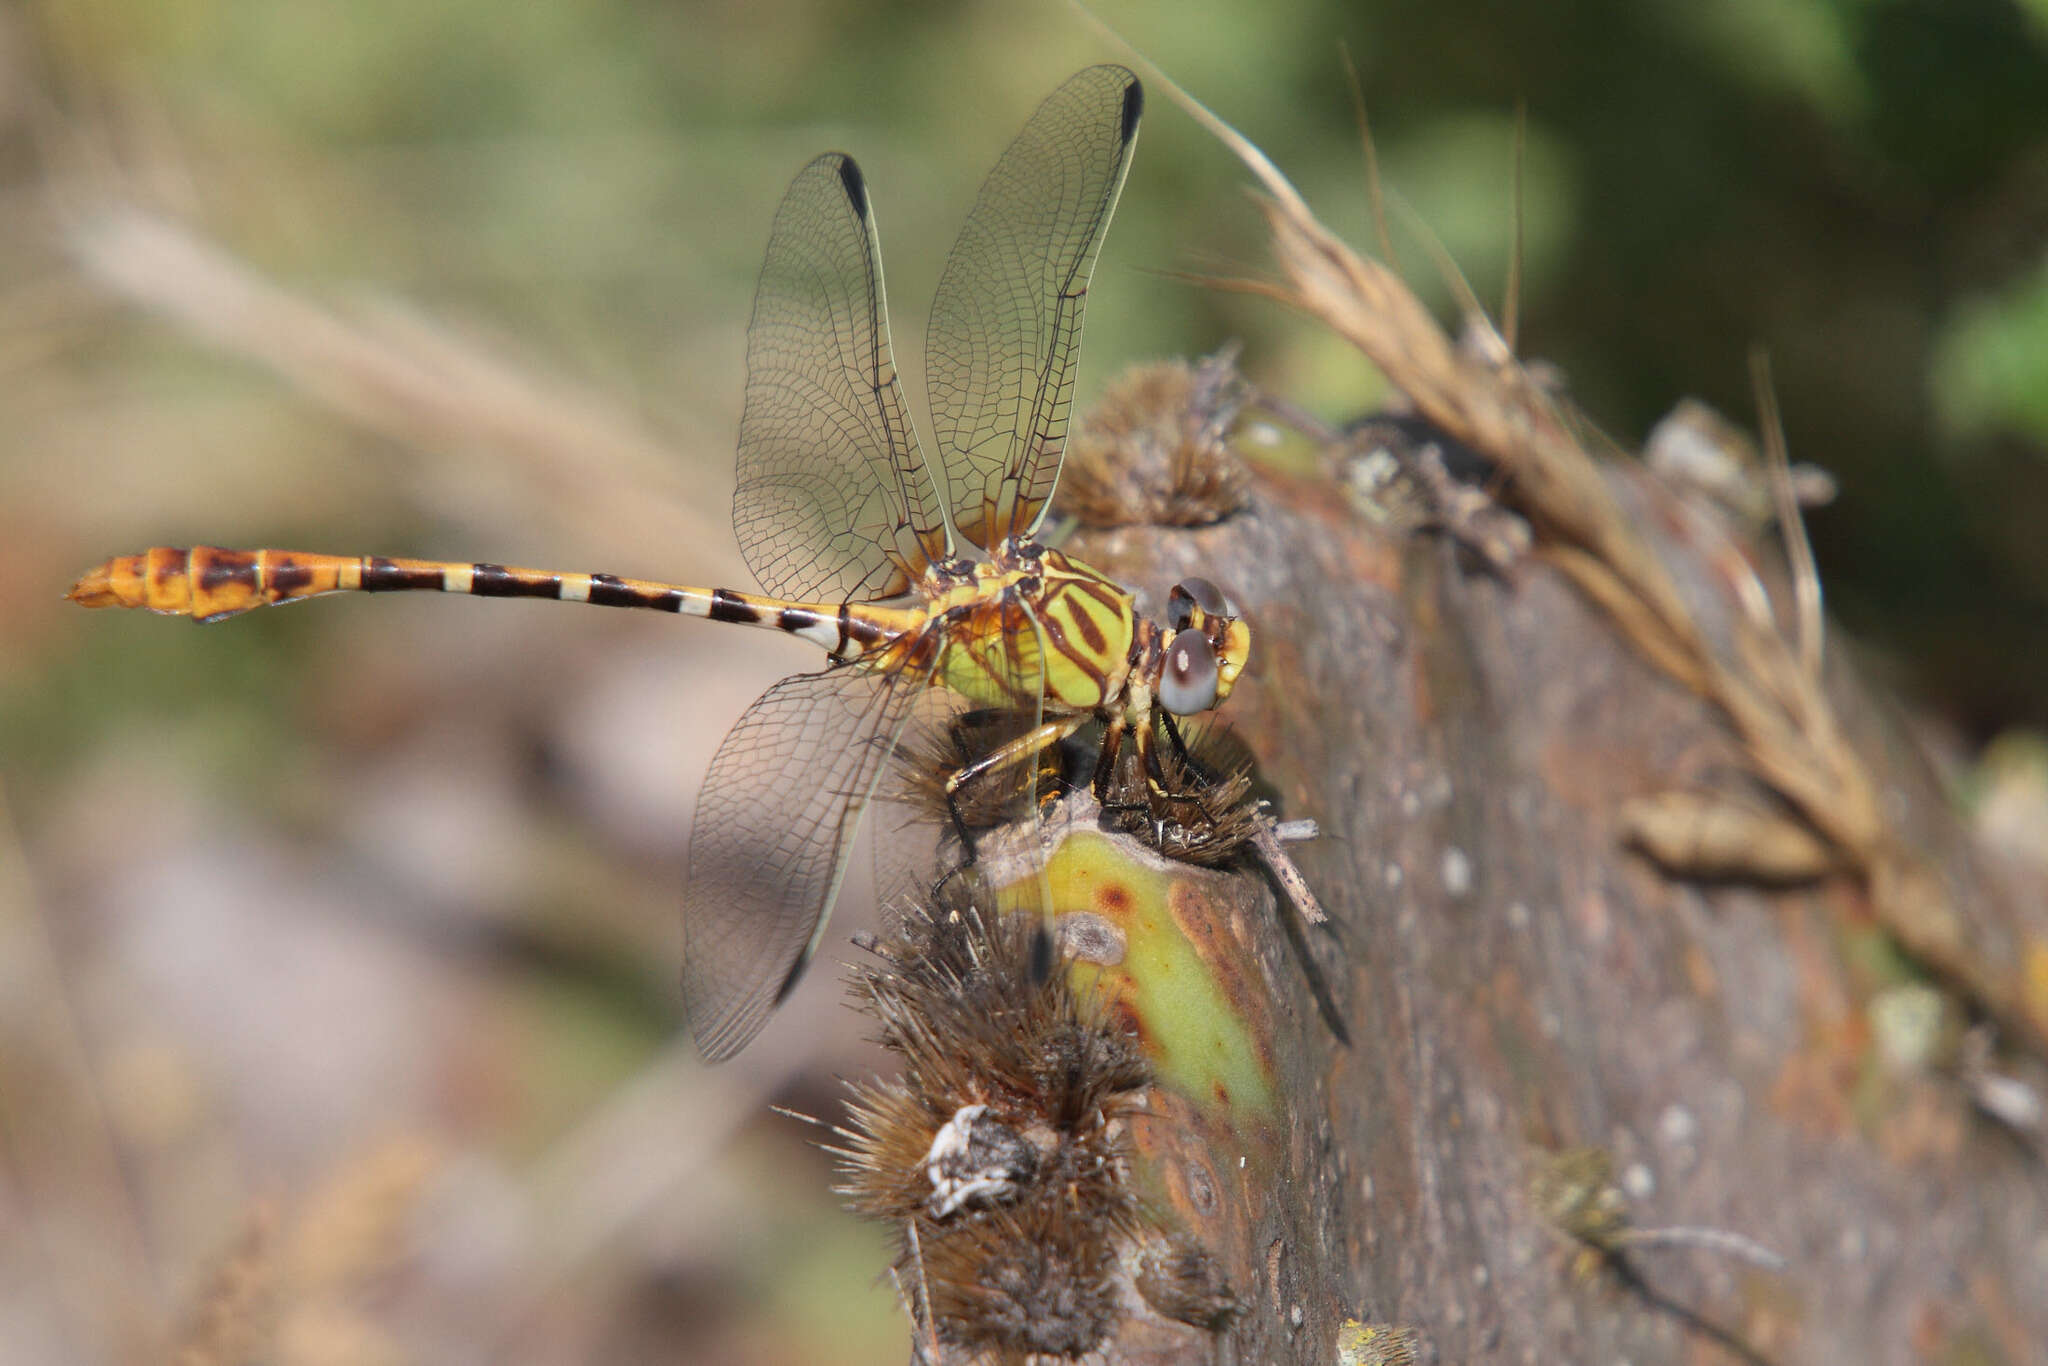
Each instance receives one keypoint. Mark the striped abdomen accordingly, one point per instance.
(208, 583)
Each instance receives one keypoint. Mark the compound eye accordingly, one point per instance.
(1203, 594)
(1187, 682)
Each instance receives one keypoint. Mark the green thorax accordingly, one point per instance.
(991, 654)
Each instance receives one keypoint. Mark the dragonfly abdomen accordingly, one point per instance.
(209, 583)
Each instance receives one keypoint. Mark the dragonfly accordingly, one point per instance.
(918, 577)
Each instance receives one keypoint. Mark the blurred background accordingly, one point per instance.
(338, 944)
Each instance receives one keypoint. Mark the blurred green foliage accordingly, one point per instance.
(1988, 371)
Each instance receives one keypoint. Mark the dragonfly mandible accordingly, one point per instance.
(910, 577)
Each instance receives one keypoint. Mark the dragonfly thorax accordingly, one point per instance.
(1036, 630)
(1024, 595)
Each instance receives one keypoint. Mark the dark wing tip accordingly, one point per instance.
(796, 974)
(1134, 106)
(721, 1023)
(854, 183)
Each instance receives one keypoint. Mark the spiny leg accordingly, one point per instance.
(1109, 792)
(1180, 749)
(1155, 776)
(1106, 761)
(1019, 749)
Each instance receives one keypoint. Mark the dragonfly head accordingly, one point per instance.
(1208, 649)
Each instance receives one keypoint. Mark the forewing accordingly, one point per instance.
(769, 846)
(1006, 321)
(834, 500)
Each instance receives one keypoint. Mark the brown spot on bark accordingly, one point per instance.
(1201, 1188)
(1123, 1017)
(1181, 1279)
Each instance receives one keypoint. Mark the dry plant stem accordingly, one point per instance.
(230, 1319)
(401, 375)
(56, 1131)
(1777, 708)
(300, 1290)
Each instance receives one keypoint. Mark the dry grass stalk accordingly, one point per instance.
(399, 374)
(1703, 835)
(352, 1226)
(1770, 691)
(231, 1319)
(64, 1184)
(292, 1294)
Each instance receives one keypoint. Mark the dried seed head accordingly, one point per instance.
(1155, 449)
(934, 750)
(1023, 1282)
(976, 1158)
(1001, 1152)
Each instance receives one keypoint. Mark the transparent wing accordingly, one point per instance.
(769, 846)
(1011, 751)
(913, 840)
(835, 502)
(1006, 321)
(1008, 758)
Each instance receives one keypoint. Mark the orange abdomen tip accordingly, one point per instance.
(155, 579)
(205, 582)
(95, 587)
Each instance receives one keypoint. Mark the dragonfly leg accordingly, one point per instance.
(1180, 749)
(1021, 749)
(1109, 792)
(1105, 763)
(1155, 773)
